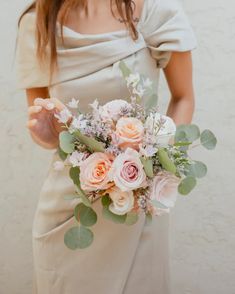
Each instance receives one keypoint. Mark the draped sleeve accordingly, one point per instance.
(29, 72)
(166, 28)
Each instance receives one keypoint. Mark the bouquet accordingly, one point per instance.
(128, 156)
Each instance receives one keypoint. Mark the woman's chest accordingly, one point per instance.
(106, 83)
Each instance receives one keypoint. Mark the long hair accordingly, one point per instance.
(47, 13)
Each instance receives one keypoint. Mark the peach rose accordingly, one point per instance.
(123, 202)
(129, 132)
(165, 188)
(127, 171)
(94, 172)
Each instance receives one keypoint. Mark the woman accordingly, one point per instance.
(76, 53)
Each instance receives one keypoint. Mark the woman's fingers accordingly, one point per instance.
(34, 109)
(58, 104)
(31, 123)
(46, 103)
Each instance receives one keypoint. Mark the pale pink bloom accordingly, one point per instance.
(112, 109)
(64, 115)
(129, 131)
(165, 188)
(58, 165)
(123, 202)
(127, 171)
(94, 172)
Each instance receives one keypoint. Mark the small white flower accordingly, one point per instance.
(147, 151)
(73, 103)
(133, 80)
(76, 158)
(94, 105)
(58, 165)
(78, 123)
(63, 116)
(139, 90)
(147, 83)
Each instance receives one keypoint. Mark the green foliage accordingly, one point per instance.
(131, 218)
(197, 169)
(92, 144)
(74, 175)
(61, 153)
(148, 166)
(119, 219)
(124, 69)
(187, 133)
(187, 185)
(105, 200)
(165, 161)
(66, 142)
(78, 237)
(85, 215)
(208, 139)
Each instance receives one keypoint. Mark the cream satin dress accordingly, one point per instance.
(122, 259)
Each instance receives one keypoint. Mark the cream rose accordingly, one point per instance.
(129, 132)
(123, 202)
(127, 171)
(165, 188)
(94, 172)
(167, 131)
(113, 108)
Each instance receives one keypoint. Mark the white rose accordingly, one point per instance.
(123, 202)
(167, 130)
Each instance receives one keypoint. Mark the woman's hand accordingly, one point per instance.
(44, 127)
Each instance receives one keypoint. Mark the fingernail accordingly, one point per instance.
(50, 106)
(38, 108)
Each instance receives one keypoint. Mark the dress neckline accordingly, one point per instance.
(66, 28)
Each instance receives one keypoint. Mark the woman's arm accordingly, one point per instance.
(179, 76)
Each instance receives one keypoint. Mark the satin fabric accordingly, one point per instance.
(122, 259)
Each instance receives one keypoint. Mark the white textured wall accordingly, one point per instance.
(203, 241)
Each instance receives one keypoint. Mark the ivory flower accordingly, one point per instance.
(123, 202)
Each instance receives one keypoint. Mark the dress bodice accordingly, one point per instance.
(88, 63)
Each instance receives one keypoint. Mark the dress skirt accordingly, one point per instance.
(121, 260)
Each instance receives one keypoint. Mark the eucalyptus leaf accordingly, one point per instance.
(105, 200)
(66, 142)
(74, 173)
(92, 144)
(197, 169)
(61, 153)
(124, 69)
(187, 185)
(208, 139)
(165, 161)
(86, 215)
(148, 166)
(120, 219)
(78, 237)
(131, 218)
(187, 133)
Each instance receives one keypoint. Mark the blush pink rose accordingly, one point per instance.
(127, 171)
(165, 188)
(94, 172)
(129, 132)
(112, 109)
